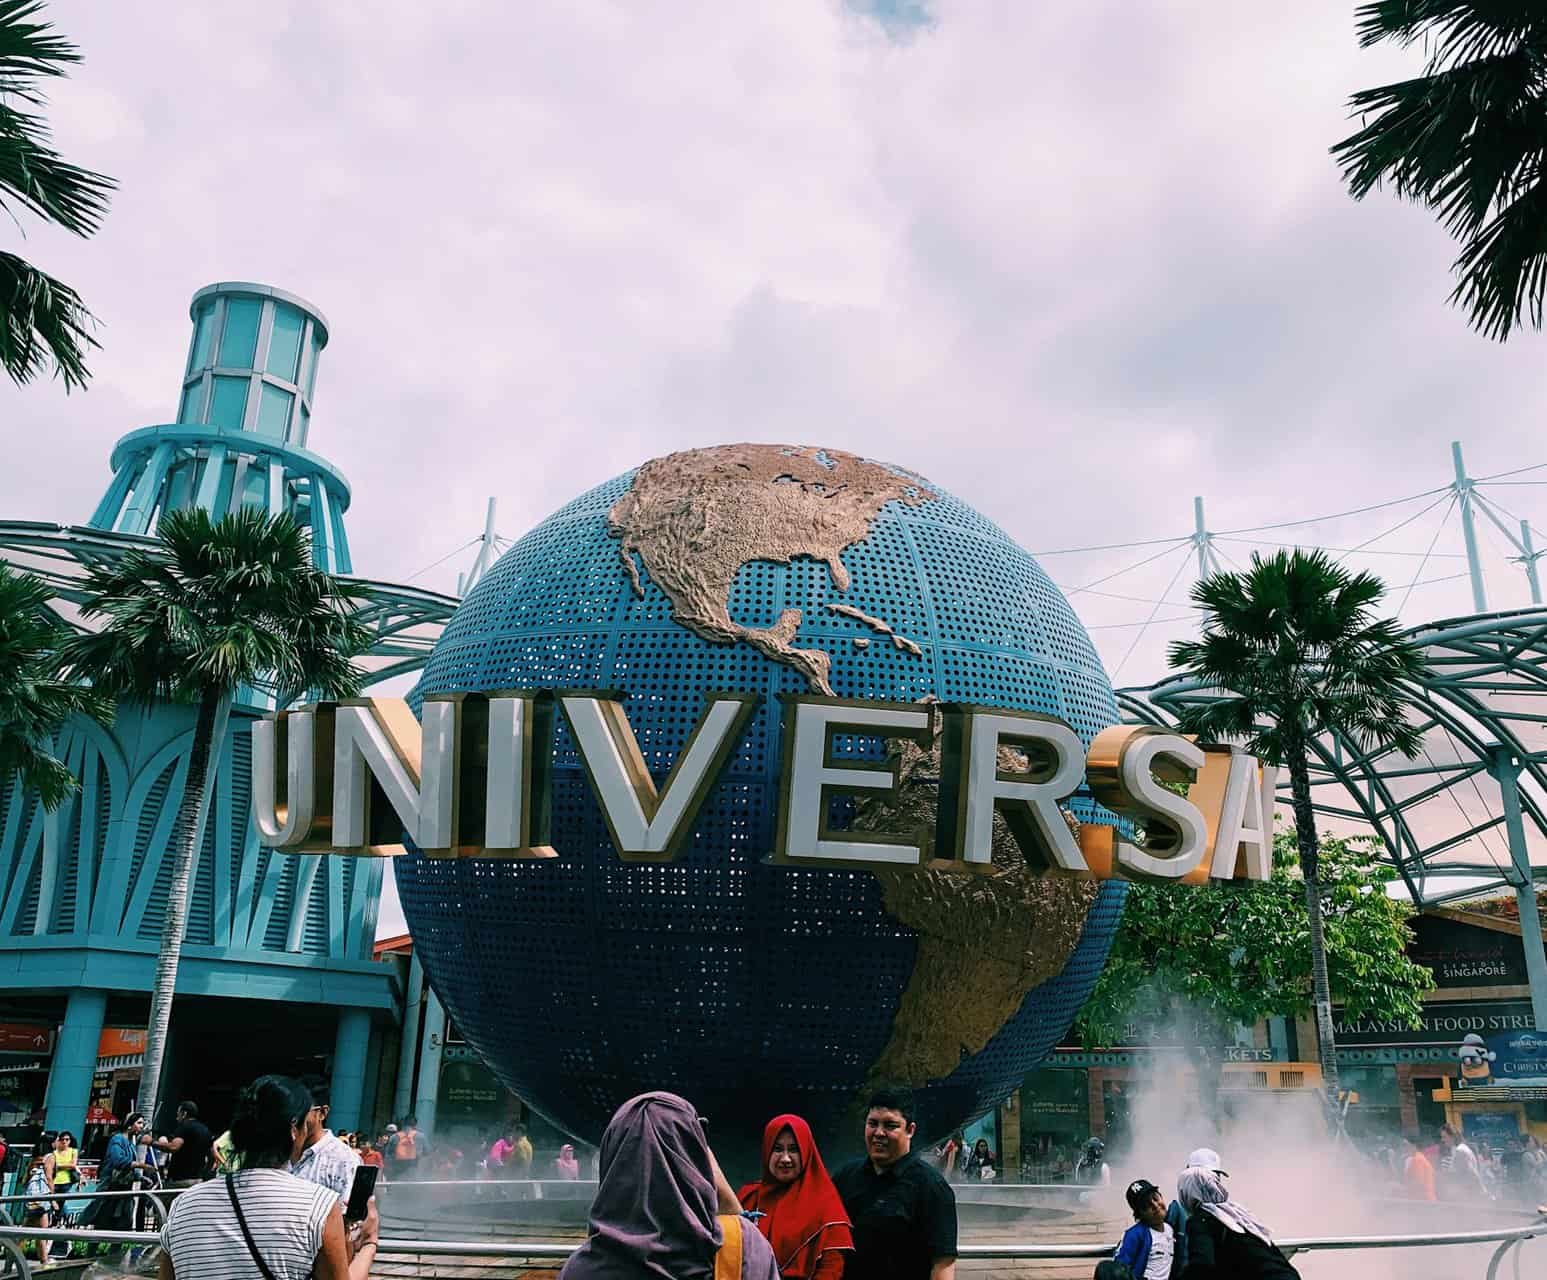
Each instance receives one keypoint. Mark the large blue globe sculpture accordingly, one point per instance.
(747, 987)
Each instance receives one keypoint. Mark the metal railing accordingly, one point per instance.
(1508, 1241)
(156, 1196)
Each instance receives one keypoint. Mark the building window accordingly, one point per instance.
(274, 412)
(228, 406)
(193, 394)
(285, 342)
(240, 340)
(203, 335)
(306, 426)
(255, 487)
(311, 368)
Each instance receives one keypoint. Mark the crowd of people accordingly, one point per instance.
(1450, 1168)
(267, 1199)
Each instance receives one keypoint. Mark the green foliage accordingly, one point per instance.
(211, 606)
(1292, 649)
(1467, 140)
(34, 700)
(40, 318)
(1227, 953)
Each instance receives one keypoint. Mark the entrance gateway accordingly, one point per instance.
(473, 781)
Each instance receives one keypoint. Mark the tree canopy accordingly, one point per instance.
(1231, 953)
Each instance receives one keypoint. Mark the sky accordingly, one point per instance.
(1076, 263)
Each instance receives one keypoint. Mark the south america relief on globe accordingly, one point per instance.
(751, 988)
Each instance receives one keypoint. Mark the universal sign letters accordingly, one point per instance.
(471, 779)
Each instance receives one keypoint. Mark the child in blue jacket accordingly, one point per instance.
(1148, 1249)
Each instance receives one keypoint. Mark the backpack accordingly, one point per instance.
(406, 1148)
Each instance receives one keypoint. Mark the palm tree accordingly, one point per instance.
(40, 318)
(1291, 650)
(34, 701)
(206, 609)
(1468, 140)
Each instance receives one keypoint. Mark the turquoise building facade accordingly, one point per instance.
(277, 970)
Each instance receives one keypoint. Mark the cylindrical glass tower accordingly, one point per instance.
(243, 419)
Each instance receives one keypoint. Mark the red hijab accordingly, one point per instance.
(805, 1218)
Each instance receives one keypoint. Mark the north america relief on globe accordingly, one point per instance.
(696, 518)
(748, 987)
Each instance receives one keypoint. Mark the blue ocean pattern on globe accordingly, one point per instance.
(749, 988)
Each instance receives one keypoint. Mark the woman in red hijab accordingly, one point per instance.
(804, 1218)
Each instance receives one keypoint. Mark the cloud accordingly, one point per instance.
(1075, 263)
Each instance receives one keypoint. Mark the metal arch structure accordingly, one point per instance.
(1473, 804)
(404, 621)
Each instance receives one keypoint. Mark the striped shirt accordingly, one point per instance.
(285, 1215)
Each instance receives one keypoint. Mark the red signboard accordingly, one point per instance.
(18, 1037)
(121, 1042)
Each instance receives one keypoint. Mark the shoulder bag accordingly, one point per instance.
(727, 1261)
(252, 1245)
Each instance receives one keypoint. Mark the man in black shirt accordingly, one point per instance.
(189, 1146)
(903, 1211)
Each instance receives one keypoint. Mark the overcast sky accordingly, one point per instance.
(1076, 262)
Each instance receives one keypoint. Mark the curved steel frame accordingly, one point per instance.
(1447, 813)
(404, 621)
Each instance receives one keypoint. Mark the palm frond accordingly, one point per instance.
(1291, 649)
(31, 171)
(218, 604)
(1468, 140)
(35, 701)
(29, 50)
(41, 320)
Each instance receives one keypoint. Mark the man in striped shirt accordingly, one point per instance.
(325, 1158)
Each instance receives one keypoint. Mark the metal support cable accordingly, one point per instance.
(1158, 604)
(1110, 546)
(470, 542)
(1444, 520)
(1535, 466)
(1500, 507)
(1400, 525)
(1339, 515)
(1175, 545)
(1359, 550)
(1257, 528)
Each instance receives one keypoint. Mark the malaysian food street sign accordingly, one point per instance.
(472, 780)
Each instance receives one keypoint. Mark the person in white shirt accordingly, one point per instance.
(1148, 1249)
(262, 1222)
(325, 1158)
(1460, 1178)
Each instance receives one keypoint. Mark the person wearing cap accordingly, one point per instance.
(1148, 1249)
(1176, 1214)
(1225, 1240)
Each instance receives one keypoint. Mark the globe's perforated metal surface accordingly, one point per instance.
(750, 989)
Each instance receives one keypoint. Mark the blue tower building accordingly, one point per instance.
(277, 971)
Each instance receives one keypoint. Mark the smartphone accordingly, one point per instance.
(360, 1192)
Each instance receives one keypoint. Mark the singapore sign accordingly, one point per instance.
(471, 778)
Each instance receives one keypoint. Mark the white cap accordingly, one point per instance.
(1205, 1158)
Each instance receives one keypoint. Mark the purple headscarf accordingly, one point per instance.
(654, 1213)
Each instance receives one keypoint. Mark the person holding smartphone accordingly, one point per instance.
(262, 1222)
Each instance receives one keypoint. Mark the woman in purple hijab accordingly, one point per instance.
(658, 1192)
